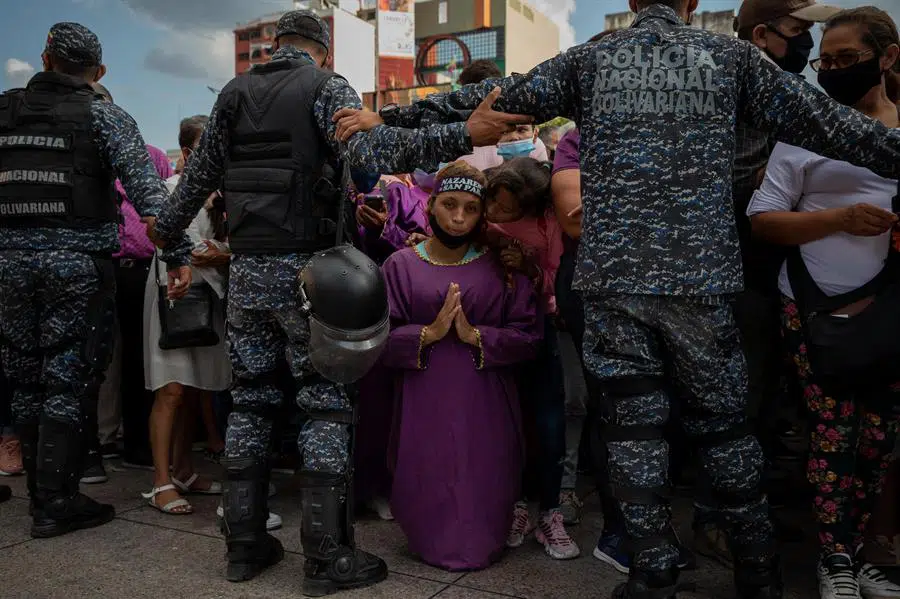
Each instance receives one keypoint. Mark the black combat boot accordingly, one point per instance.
(59, 507)
(758, 578)
(333, 563)
(245, 504)
(644, 584)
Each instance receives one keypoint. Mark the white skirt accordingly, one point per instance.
(206, 368)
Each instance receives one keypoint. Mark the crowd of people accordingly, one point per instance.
(702, 297)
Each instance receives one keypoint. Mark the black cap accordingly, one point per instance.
(75, 43)
(304, 23)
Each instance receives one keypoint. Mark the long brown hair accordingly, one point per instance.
(879, 33)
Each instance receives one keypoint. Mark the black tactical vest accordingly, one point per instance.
(280, 193)
(51, 174)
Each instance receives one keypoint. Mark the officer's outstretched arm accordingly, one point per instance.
(122, 147)
(202, 175)
(545, 92)
(798, 114)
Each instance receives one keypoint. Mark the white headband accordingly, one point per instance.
(460, 184)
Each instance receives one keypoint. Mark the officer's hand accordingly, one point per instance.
(150, 221)
(486, 126)
(370, 218)
(445, 318)
(415, 239)
(351, 121)
(179, 282)
(865, 220)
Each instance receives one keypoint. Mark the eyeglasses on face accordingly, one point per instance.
(827, 62)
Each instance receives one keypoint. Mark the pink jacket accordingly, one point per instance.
(541, 241)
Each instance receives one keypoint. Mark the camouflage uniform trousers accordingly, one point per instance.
(257, 341)
(44, 325)
(693, 345)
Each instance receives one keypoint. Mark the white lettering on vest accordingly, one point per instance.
(34, 176)
(32, 208)
(660, 80)
(34, 141)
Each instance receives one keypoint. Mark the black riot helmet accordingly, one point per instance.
(343, 294)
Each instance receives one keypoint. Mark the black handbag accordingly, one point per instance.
(188, 321)
(866, 345)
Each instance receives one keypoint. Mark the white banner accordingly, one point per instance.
(397, 34)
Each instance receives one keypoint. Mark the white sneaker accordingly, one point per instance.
(837, 580)
(873, 584)
(521, 525)
(551, 533)
(273, 523)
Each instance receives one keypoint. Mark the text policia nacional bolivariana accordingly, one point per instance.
(665, 79)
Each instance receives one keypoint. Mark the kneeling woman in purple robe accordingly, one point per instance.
(459, 323)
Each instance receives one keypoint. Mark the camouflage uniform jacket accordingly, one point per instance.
(657, 105)
(267, 282)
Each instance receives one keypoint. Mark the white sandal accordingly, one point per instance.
(172, 506)
(215, 487)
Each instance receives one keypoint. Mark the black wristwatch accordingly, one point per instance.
(389, 111)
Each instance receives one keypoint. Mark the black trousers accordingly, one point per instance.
(131, 277)
(571, 309)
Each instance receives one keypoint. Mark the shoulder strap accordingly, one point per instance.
(156, 262)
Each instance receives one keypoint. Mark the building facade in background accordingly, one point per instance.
(721, 21)
(352, 51)
(375, 43)
(512, 33)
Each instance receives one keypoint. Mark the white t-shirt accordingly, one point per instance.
(798, 180)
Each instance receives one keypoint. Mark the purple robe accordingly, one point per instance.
(406, 214)
(457, 438)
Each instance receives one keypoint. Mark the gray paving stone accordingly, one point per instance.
(14, 522)
(127, 559)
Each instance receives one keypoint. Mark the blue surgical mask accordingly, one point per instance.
(515, 149)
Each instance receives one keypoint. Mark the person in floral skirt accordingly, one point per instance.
(841, 218)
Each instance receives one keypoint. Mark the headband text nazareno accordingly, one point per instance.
(460, 184)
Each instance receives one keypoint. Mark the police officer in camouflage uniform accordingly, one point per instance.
(659, 260)
(268, 144)
(61, 149)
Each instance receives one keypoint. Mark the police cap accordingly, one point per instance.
(760, 12)
(75, 43)
(304, 23)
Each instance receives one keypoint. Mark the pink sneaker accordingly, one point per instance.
(521, 525)
(10, 456)
(551, 533)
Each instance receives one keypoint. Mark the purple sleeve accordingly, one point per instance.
(404, 346)
(567, 152)
(161, 162)
(520, 336)
(405, 216)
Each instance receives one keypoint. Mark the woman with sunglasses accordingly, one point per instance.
(841, 218)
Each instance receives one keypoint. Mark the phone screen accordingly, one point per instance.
(375, 203)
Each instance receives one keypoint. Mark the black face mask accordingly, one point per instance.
(450, 241)
(799, 48)
(849, 85)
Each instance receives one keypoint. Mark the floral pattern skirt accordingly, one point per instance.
(852, 436)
